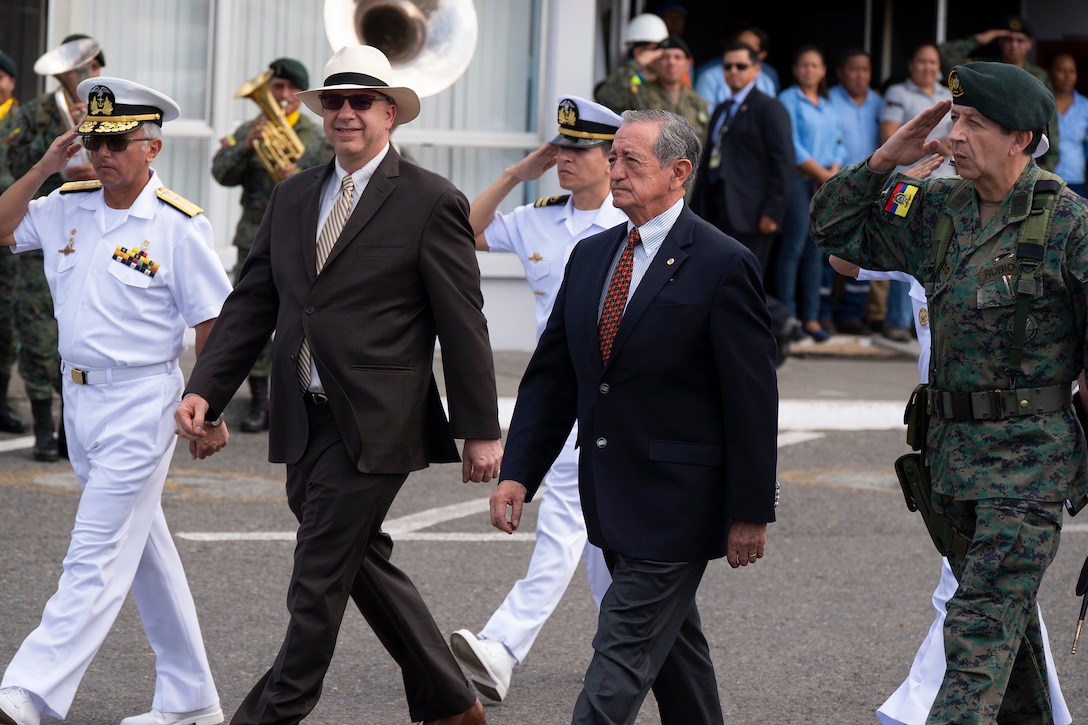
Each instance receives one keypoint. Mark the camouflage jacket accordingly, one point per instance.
(626, 89)
(33, 127)
(958, 52)
(971, 307)
(235, 165)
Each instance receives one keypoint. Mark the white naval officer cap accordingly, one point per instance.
(584, 123)
(116, 106)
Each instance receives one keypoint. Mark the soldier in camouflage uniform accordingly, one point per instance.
(34, 129)
(1005, 449)
(1014, 38)
(9, 422)
(237, 164)
(653, 78)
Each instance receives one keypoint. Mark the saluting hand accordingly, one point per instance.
(535, 164)
(56, 156)
(908, 144)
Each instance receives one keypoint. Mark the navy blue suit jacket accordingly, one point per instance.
(678, 433)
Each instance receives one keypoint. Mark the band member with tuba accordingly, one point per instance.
(244, 159)
(37, 124)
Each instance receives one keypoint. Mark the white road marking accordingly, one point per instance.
(799, 421)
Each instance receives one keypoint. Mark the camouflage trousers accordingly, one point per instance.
(996, 671)
(9, 341)
(39, 361)
(262, 366)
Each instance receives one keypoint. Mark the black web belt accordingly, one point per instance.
(1000, 404)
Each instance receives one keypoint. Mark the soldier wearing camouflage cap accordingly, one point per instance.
(1007, 309)
(236, 163)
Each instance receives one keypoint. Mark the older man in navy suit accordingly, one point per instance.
(659, 345)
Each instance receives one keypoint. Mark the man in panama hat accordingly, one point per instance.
(358, 266)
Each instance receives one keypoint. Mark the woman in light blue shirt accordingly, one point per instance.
(1072, 121)
(820, 152)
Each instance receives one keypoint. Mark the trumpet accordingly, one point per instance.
(279, 146)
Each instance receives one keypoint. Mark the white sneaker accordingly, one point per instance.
(487, 660)
(16, 707)
(211, 715)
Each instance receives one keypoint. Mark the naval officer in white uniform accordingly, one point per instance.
(130, 266)
(543, 235)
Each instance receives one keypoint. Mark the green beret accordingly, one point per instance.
(674, 42)
(290, 69)
(1002, 93)
(7, 64)
(1016, 24)
(101, 57)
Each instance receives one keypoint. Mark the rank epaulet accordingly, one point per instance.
(178, 202)
(551, 200)
(90, 185)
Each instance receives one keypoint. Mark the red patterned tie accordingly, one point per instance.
(616, 297)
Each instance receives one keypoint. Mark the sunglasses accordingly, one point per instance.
(115, 144)
(738, 66)
(358, 102)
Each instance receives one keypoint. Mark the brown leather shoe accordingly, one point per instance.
(472, 716)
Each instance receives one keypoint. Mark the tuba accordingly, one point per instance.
(69, 63)
(279, 146)
(429, 43)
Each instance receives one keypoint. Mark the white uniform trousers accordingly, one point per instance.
(910, 704)
(120, 442)
(560, 543)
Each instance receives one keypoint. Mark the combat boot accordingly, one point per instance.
(257, 419)
(9, 422)
(45, 445)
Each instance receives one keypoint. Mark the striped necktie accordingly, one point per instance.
(615, 299)
(334, 224)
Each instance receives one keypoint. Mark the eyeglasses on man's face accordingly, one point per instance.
(358, 101)
(116, 144)
(738, 66)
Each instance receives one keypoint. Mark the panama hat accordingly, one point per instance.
(363, 68)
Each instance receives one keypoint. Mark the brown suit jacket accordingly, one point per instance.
(402, 274)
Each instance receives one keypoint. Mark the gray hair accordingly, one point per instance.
(151, 131)
(676, 138)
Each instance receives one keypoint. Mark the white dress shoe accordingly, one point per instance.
(16, 707)
(487, 660)
(211, 715)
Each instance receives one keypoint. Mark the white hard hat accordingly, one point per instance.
(645, 28)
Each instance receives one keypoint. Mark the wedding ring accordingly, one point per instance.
(753, 556)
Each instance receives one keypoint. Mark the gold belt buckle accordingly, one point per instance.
(79, 376)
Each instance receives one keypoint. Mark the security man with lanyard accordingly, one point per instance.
(1003, 252)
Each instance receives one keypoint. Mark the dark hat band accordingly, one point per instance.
(353, 79)
(587, 134)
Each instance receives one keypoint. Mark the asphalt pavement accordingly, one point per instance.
(820, 631)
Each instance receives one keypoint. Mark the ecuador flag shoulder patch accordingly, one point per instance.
(900, 198)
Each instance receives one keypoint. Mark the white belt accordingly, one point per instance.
(87, 376)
